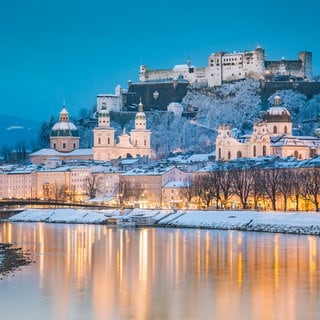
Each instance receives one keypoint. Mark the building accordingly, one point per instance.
(135, 144)
(271, 136)
(111, 102)
(223, 67)
(64, 143)
(143, 187)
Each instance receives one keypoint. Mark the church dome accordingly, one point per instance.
(64, 128)
(277, 113)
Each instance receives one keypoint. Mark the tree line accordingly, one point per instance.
(254, 185)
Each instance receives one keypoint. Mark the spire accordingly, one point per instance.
(140, 106)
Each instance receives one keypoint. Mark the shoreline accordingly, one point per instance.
(11, 259)
(301, 223)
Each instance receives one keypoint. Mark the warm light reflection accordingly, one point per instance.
(165, 273)
(276, 261)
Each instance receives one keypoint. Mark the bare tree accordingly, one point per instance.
(224, 183)
(242, 183)
(187, 191)
(297, 186)
(286, 185)
(91, 185)
(271, 179)
(197, 184)
(124, 191)
(311, 190)
(59, 192)
(257, 190)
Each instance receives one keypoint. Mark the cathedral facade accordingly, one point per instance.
(135, 144)
(271, 136)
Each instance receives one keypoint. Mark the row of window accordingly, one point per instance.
(64, 146)
(239, 153)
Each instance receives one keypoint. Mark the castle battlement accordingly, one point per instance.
(227, 66)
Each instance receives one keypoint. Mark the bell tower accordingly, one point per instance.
(140, 136)
(103, 137)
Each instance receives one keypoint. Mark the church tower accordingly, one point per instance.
(103, 137)
(140, 136)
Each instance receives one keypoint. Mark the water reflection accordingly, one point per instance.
(96, 272)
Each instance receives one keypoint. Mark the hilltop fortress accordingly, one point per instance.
(224, 67)
(160, 87)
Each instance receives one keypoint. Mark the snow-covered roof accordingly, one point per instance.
(278, 111)
(176, 184)
(52, 152)
(180, 67)
(148, 171)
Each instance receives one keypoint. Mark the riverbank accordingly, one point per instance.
(11, 258)
(307, 223)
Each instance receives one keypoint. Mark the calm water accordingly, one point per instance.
(96, 272)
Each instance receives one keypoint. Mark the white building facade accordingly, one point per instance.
(135, 144)
(223, 67)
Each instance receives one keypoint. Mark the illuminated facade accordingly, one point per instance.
(272, 136)
(135, 144)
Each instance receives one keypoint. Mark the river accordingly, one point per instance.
(99, 272)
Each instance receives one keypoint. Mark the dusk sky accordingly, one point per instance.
(72, 50)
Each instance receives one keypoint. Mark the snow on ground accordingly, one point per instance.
(60, 216)
(284, 222)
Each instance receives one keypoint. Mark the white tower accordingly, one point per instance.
(140, 135)
(103, 137)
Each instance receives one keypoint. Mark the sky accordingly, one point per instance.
(69, 51)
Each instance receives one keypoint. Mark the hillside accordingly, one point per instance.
(237, 104)
(16, 130)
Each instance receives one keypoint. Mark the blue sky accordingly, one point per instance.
(72, 50)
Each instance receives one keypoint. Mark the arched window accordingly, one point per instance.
(264, 151)
(99, 140)
(74, 146)
(296, 154)
(275, 129)
(254, 151)
(285, 129)
(219, 153)
(145, 143)
(229, 155)
(239, 154)
(108, 140)
(64, 145)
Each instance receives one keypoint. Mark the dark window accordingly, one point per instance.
(264, 151)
